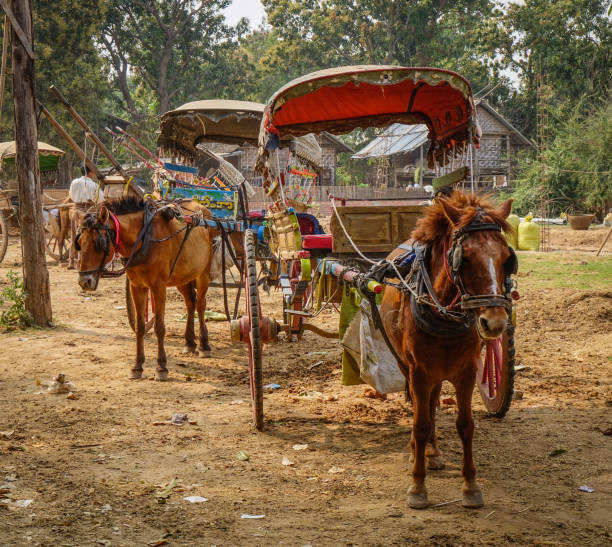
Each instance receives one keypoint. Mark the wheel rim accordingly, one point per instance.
(495, 373)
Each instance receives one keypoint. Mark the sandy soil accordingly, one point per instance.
(93, 465)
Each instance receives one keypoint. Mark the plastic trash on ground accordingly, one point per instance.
(59, 384)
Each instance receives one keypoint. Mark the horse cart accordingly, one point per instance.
(55, 234)
(429, 287)
(313, 269)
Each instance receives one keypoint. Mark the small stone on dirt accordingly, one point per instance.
(178, 418)
(287, 461)
(449, 401)
(336, 469)
(517, 395)
(300, 446)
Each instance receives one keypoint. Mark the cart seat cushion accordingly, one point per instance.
(323, 241)
(309, 225)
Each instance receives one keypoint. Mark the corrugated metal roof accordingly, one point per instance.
(396, 139)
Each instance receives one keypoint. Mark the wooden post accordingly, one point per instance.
(5, 41)
(604, 241)
(36, 276)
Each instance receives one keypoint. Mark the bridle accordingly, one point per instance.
(106, 235)
(453, 259)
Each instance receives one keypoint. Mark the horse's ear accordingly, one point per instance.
(451, 212)
(103, 215)
(504, 209)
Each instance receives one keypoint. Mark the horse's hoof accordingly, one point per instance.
(204, 353)
(135, 374)
(418, 501)
(161, 375)
(189, 349)
(435, 462)
(472, 499)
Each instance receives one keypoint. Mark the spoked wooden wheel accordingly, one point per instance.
(56, 249)
(495, 376)
(131, 309)
(254, 343)
(3, 236)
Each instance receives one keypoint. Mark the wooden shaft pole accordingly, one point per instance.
(5, 41)
(604, 241)
(70, 141)
(35, 274)
(129, 148)
(89, 132)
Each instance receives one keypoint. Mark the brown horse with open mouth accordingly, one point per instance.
(161, 252)
(458, 298)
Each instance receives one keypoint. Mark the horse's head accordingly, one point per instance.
(480, 261)
(96, 243)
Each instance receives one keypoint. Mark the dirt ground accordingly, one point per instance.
(93, 465)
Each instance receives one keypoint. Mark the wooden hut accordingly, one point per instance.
(400, 151)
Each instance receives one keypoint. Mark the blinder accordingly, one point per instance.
(511, 264)
(102, 242)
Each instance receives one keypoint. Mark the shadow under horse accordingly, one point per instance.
(161, 252)
(439, 336)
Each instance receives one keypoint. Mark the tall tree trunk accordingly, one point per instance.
(162, 82)
(36, 276)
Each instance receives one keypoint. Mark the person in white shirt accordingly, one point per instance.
(84, 188)
(83, 192)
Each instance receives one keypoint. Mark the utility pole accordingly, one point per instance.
(35, 273)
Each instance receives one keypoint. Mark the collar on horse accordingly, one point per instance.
(141, 248)
(444, 321)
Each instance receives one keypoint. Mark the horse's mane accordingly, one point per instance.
(132, 204)
(461, 207)
(125, 205)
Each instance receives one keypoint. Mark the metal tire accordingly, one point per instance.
(255, 344)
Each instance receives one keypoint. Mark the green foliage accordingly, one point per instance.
(343, 176)
(16, 316)
(577, 167)
(569, 42)
(462, 35)
(173, 48)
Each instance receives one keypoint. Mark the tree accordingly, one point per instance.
(568, 42)
(461, 35)
(577, 166)
(172, 47)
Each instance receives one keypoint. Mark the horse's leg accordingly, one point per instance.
(159, 297)
(188, 292)
(202, 283)
(472, 496)
(433, 454)
(139, 295)
(421, 434)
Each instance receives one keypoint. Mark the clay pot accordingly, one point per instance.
(580, 222)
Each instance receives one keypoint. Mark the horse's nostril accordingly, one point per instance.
(484, 323)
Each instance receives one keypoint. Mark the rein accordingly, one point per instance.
(427, 310)
(139, 254)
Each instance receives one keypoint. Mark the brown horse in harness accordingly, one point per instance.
(161, 252)
(438, 331)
